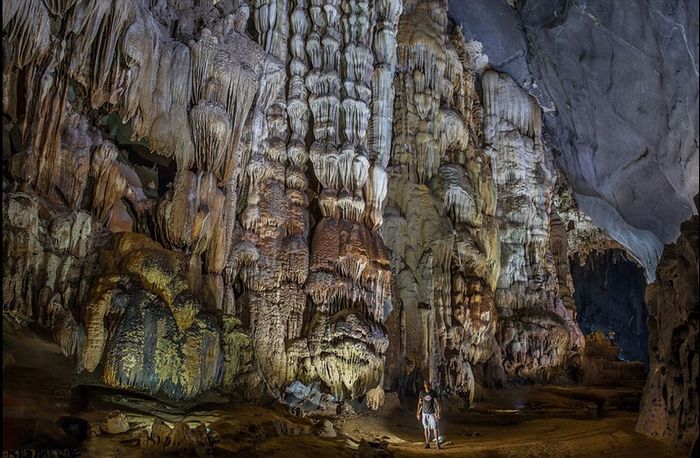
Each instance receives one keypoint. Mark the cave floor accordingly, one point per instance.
(40, 386)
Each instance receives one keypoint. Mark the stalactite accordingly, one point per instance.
(309, 169)
(349, 264)
(440, 182)
(528, 289)
(512, 105)
(276, 216)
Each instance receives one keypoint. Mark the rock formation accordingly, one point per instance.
(583, 237)
(248, 233)
(536, 330)
(626, 136)
(144, 324)
(669, 406)
(601, 364)
(234, 245)
(439, 221)
(349, 280)
(315, 200)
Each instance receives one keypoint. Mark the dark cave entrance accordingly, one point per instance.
(609, 296)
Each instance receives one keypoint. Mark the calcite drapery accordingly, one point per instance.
(187, 102)
(536, 330)
(275, 218)
(228, 71)
(349, 278)
(440, 218)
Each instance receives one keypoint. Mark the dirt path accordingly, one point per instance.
(612, 436)
(522, 422)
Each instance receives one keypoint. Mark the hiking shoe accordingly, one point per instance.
(427, 445)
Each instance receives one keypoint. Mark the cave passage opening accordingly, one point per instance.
(609, 297)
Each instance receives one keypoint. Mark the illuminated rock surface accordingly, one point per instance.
(325, 202)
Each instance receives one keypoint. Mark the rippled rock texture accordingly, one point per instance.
(669, 407)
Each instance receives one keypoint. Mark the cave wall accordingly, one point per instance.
(669, 406)
(618, 87)
(439, 220)
(239, 195)
(609, 296)
(201, 264)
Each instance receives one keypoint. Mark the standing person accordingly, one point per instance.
(429, 406)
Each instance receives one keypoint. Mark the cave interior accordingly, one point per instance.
(257, 227)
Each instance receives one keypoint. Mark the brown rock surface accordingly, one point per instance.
(669, 407)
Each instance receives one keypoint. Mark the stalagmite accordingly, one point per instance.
(248, 195)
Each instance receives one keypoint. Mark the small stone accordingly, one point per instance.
(117, 423)
(327, 430)
(181, 437)
(160, 433)
(351, 444)
(372, 449)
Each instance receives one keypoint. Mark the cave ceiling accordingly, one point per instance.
(618, 89)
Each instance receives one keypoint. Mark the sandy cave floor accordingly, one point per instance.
(40, 386)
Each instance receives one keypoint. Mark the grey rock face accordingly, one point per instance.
(497, 26)
(619, 91)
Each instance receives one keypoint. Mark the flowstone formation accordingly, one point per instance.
(440, 223)
(245, 196)
(350, 49)
(144, 324)
(669, 406)
(536, 326)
